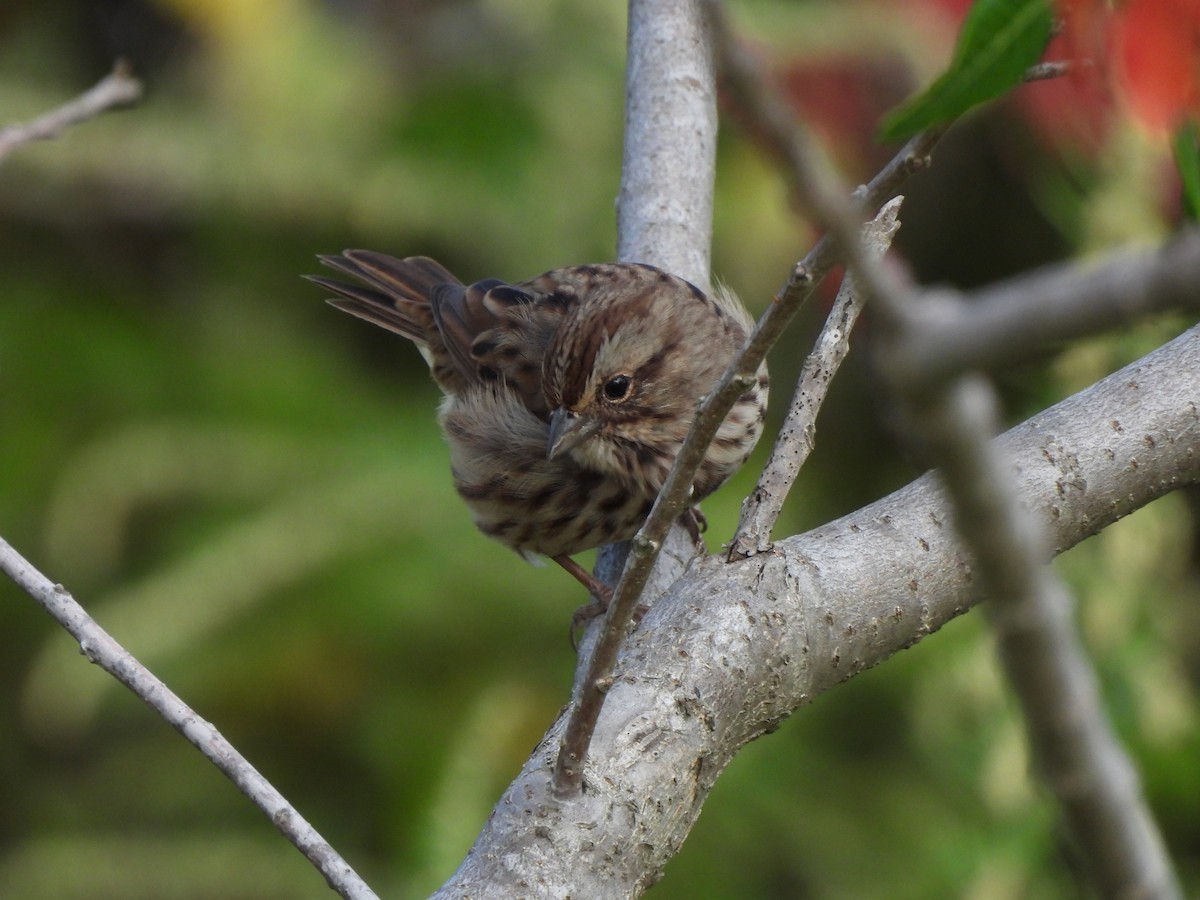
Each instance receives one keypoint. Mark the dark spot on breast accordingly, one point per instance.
(562, 522)
(588, 480)
(647, 455)
(544, 496)
(611, 505)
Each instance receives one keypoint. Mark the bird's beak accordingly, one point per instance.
(568, 430)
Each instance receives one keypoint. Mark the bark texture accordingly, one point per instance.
(734, 648)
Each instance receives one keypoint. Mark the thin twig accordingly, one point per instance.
(1078, 756)
(741, 374)
(118, 88)
(797, 434)
(100, 648)
(1107, 815)
(1047, 70)
(1002, 323)
(739, 647)
(840, 217)
(665, 217)
(952, 421)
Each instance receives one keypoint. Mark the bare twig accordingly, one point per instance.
(118, 88)
(664, 217)
(1004, 322)
(1078, 755)
(100, 647)
(797, 434)
(568, 773)
(1047, 70)
(734, 648)
(670, 694)
(1109, 820)
(1082, 762)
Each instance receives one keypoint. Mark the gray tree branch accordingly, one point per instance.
(797, 434)
(926, 343)
(732, 649)
(1002, 323)
(1077, 753)
(664, 211)
(118, 88)
(103, 650)
(664, 217)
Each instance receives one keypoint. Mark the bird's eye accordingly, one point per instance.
(617, 387)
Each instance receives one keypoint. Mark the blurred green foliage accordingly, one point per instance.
(249, 490)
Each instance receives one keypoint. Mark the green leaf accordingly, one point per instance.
(999, 40)
(1186, 145)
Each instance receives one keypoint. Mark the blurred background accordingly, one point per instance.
(248, 488)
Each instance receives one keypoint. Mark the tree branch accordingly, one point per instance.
(1078, 755)
(119, 88)
(100, 648)
(950, 421)
(664, 209)
(797, 435)
(664, 217)
(716, 405)
(734, 648)
(1005, 322)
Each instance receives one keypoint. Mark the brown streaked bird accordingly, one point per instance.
(567, 396)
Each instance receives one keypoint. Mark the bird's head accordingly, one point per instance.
(626, 368)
